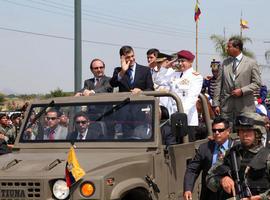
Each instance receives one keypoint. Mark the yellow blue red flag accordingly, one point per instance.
(197, 11)
(74, 172)
(243, 24)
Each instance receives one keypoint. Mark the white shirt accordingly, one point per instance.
(83, 134)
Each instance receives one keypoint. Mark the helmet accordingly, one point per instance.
(249, 120)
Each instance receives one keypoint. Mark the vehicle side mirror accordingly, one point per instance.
(179, 126)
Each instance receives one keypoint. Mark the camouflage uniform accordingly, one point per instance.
(10, 135)
(253, 163)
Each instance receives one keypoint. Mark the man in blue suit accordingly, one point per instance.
(131, 77)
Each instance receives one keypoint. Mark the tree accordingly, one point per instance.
(2, 98)
(221, 45)
(57, 93)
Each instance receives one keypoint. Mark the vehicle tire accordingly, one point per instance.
(137, 194)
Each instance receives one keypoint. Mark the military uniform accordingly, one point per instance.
(253, 164)
(9, 134)
(187, 87)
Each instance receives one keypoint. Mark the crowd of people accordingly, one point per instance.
(237, 102)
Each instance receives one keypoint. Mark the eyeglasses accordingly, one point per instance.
(51, 118)
(81, 122)
(95, 68)
(219, 130)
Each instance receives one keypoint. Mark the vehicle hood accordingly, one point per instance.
(52, 165)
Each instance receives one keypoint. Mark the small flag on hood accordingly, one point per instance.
(74, 172)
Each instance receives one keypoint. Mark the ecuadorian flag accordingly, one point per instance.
(73, 170)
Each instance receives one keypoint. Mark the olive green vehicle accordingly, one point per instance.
(124, 161)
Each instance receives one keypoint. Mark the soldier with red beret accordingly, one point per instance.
(187, 83)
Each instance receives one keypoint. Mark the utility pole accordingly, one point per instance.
(77, 46)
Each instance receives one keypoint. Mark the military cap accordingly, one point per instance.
(250, 120)
(215, 64)
(186, 54)
(162, 57)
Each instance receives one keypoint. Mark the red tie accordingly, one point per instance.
(51, 135)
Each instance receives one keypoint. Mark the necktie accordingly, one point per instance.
(97, 82)
(181, 74)
(51, 135)
(81, 136)
(234, 66)
(129, 72)
(220, 155)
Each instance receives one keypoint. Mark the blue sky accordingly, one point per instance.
(37, 53)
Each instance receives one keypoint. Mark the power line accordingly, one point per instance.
(112, 22)
(85, 41)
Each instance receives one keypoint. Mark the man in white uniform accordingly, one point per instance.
(187, 83)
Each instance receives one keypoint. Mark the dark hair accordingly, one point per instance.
(237, 43)
(3, 115)
(58, 113)
(152, 51)
(81, 114)
(164, 113)
(219, 119)
(94, 60)
(15, 115)
(125, 50)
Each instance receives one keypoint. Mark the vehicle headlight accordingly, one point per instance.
(60, 189)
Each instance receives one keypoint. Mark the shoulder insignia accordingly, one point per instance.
(196, 73)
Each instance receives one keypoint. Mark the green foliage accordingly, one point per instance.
(57, 93)
(2, 98)
(221, 44)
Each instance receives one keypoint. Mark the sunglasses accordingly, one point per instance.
(81, 122)
(51, 118)
(219, 130)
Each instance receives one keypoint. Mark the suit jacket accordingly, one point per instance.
(103, 86)
(202, 161)
(96, 130)
(142, 79)
(74, 135)
(247, 78)
(60, 133)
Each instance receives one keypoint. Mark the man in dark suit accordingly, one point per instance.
(131, 77)
(238, 79)
(207, 154)
(98, 84)
(84, 130)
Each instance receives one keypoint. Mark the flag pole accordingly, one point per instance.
(197, 45)
(241, 29)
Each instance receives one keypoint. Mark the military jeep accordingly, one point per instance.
(126, 157)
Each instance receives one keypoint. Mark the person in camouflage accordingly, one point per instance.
(244, 173)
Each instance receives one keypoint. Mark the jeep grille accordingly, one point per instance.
(19, 189)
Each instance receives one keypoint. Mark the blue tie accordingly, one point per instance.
(129, 72)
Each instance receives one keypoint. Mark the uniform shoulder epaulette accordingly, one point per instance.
(196, 73)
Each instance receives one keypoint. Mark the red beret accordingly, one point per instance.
(186, 54)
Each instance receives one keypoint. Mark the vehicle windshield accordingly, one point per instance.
(90, 122)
